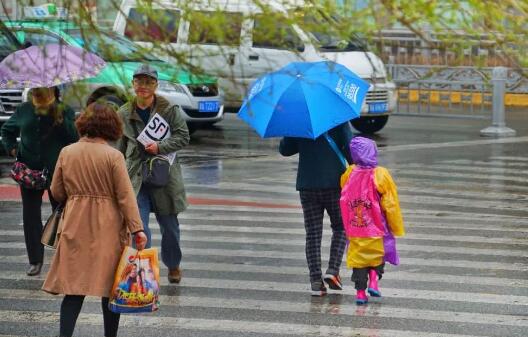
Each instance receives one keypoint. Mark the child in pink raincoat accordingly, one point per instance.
(371, 216)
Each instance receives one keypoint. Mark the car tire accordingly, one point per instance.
(192, 127)
(369, 125)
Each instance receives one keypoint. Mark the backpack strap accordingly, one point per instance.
(334, 147)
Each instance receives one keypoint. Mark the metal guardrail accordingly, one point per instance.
(478, 97)
(444, 98)
(516, 81)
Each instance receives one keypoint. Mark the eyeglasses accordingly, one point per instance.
(145, 81)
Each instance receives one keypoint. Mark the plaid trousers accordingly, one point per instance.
(314, 203)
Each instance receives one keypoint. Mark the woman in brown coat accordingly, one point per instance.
(100, 213)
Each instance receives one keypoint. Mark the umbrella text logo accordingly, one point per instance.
(257, 87)
(347, 89)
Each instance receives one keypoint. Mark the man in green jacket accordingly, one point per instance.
(168, 201)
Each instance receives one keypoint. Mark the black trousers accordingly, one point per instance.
(360, 275)
(314, 203)
(70, 309)
(32, 219)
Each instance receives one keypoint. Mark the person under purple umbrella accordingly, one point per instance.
(45, 125)
(371, 217)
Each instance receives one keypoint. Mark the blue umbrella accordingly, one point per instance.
(303, 99)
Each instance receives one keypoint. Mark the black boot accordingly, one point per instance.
(34, 269)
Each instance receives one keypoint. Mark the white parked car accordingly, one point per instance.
(249, 49)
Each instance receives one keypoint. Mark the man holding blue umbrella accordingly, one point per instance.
(310, 105)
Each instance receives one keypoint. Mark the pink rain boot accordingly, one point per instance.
(373, 284)
(361, 297)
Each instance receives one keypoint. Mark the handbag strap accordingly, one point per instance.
(334, 147)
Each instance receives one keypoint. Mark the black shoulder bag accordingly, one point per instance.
(28, 178)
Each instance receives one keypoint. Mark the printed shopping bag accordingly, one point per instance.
(136, 282)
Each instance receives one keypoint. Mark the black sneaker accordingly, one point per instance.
(318, 288)
(333, 281)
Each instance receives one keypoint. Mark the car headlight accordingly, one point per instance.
(170, 87)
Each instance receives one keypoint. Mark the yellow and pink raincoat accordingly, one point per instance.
(370, 208)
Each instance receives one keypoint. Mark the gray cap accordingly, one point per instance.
(146, 70)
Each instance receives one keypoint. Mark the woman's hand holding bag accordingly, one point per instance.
(141, 240)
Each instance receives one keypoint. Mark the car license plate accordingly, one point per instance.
(378, 107)
(208, 106)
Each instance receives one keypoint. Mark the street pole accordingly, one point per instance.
(498, 127)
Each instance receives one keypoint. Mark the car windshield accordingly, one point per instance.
(326, 39)
(110, 47)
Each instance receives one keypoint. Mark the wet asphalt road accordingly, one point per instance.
(464, 268)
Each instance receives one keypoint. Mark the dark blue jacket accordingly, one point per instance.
(319, 166)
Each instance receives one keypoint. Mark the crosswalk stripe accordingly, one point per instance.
(404, 190)
(189, 224)
(407, 261)
(455, 199)
(444, 145)
(395, 273)
(470, 176)
(500, 171)
(297, 212)
(490, 163)
(435, 295)
(509, 158)
(411, 217)
(284, 329)
(291, 199)
(277, 254)
(225, 230)
(465, 195)
(299, 230)
(428, 181)
(283, 306)
(270, 217)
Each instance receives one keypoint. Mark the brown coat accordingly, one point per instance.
(101, 210)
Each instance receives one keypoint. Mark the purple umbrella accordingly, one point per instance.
(48, 66)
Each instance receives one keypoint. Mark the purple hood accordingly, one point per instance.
(364, 152)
